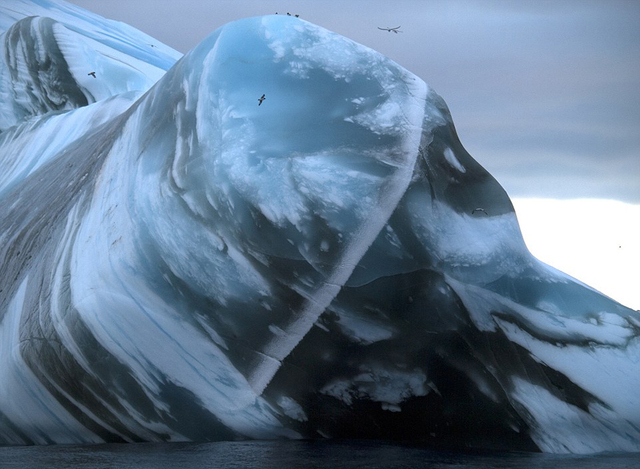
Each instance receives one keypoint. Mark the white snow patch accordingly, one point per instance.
(292, 409)
(453, 161)
(558, 427)
(389, 387)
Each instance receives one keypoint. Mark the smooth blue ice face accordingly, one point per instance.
(186, 261)
(317, 179)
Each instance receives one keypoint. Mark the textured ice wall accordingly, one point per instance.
(179, 263)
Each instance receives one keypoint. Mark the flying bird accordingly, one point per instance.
(93, 74)
(479, 209)
(395, 30)
(260, 99)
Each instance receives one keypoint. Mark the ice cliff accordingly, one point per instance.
(179, 263)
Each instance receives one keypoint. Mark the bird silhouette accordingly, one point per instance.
(93, 74)
(260, 99)
(395, 30)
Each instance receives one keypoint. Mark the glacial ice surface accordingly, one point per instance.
(178, 263)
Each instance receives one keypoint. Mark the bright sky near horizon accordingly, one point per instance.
(544, 95)
(593, 240)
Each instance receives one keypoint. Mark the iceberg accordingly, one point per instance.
(183, 261)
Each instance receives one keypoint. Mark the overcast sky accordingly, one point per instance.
(544, 94)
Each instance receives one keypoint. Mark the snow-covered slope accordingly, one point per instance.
(133, 45)
(64, 60)
(180, 263)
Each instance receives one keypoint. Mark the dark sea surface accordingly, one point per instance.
(292, 454)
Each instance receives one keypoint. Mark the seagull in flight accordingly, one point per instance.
(479, 209)
(260, 99)
(395, 30)
(93, 74)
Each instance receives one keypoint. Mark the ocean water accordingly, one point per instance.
(293, 454)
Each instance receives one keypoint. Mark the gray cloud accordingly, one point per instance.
(544, 94)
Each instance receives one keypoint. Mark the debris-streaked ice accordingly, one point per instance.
(178, 263)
